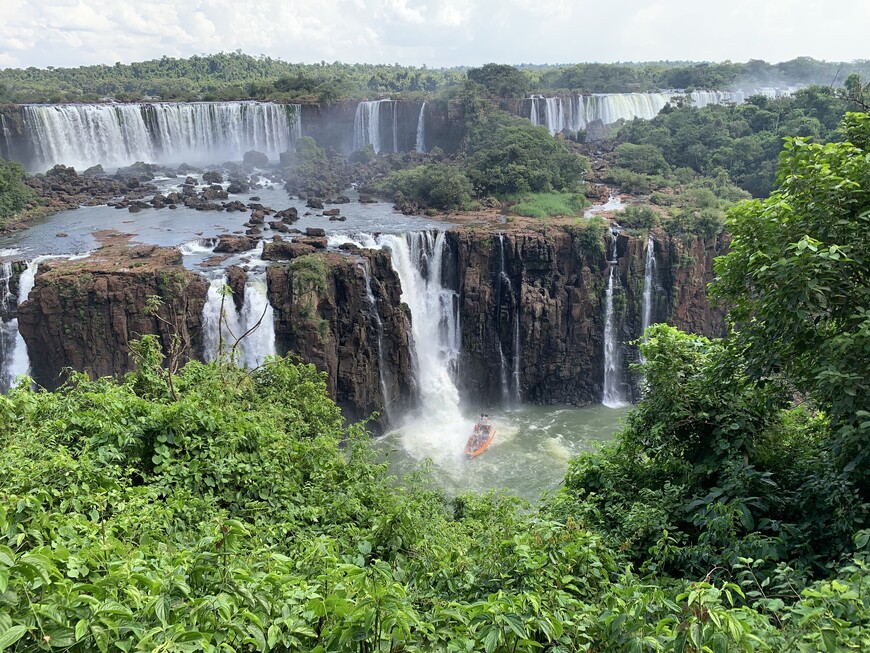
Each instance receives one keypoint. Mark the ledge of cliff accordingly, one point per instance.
(82, 314)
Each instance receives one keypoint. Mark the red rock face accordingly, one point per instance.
(84, 314)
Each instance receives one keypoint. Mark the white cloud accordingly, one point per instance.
(434, 32)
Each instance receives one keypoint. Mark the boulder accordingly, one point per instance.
(228, 244)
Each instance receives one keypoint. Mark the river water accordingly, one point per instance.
(533, 444)
(528, 457)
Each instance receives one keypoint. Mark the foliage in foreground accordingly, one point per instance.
(242, 517)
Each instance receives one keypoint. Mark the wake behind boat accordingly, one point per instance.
(481, 437)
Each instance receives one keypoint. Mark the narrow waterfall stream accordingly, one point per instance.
(16, 360)
(614, 393)
(420, 145)
(223, 325)
(501, 280)
(648, 283)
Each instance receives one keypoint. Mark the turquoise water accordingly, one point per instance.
(528, 456)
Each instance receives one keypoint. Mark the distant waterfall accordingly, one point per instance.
(223, 326)
(6, 152)
(573, 113)
(420, 145)
(8, 328)
(648, 282)
(15, 360)
(614, 395)
(384, 373)
(82, 135)
(367, 125)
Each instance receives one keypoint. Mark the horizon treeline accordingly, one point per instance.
(238, 76)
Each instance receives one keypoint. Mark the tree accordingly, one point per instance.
(797, 279)
(14, 194)
(500, 80)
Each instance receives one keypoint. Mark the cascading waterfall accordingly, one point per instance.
(82, 135)
(367, 125)
(517, 396)
(8, 328)
(223, 325)
(383, 371)
(501, 280)
(648, 282)
(614, 396)
(420, 145)
(15, 360)
(395, 112)
(574, 113)
(7, 151)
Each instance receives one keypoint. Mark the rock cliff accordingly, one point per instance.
(532, 300)
(343, 314)
(82, 314)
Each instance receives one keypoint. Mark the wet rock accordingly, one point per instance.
(212, 177)
(289, 215)
(228, 244)
(255, 159)
(283, 250)
(314, 203)
(315, 232)
(330, 212)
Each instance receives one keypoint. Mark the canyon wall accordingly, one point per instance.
(82, 314)
(533, 300)
(342, 312)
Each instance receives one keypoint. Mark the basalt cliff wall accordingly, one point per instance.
(531, 304)
(539, 294)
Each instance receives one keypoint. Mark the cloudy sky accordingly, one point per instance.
(433, 32)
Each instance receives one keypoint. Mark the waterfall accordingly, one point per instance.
(613, 390)
(383, 372)
(7, 152)
(223, 325)
(502, 280)
(576, 112)
(648, 281)
(16, 359)
(367, 125)
(82, 135)
(420, 146)
(417, 259)
(8, 327)
(518, 395)
(395, 108)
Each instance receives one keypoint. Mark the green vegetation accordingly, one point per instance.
(509, 155)
(743, 140)
(235, 76)
(500, 80)
(547, 205)
(431, 185)
(14, 193)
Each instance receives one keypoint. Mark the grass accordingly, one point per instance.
(550, 205)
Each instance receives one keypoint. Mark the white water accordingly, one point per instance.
(575, 112)
(517, 396)
(16, 358)
(367, 125)
(614, 396)
(436, 429)
(225, 329)
(198, 246)
(82, 135)
(420, 145)
(613, 203)
(648, 282)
